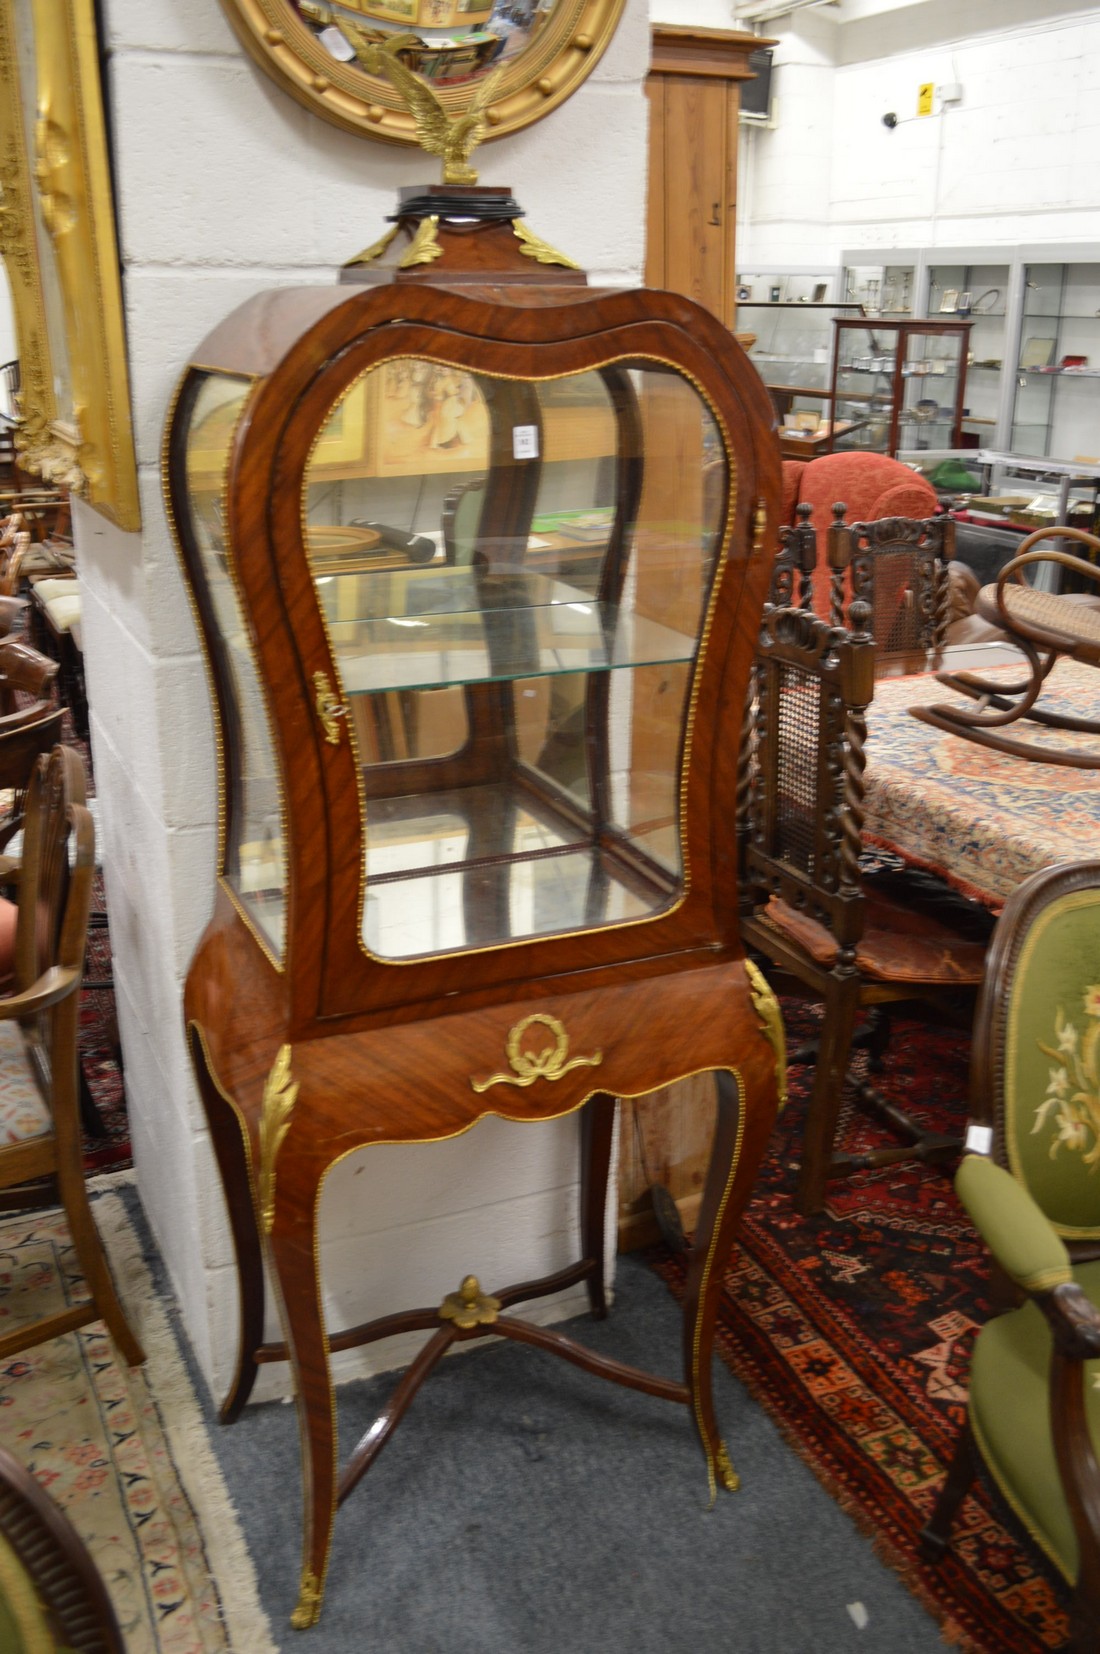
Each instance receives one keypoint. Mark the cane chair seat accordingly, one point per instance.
(1051, 615)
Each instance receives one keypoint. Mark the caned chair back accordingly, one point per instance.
(813, 684)
(1036, 1076)
(898, 566)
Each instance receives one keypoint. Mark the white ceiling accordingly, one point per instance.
(839, 11)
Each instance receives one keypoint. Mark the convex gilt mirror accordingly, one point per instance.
(536, 51)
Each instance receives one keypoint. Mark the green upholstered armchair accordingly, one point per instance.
(1033, 1190)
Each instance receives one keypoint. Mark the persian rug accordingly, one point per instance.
(982, 819)
(853, 1329)
(125, 1453)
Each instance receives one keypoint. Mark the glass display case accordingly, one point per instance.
(898, 384)
(882, 289)
(479, 558)
(792, 352)
(977, 293)
(1055, 407)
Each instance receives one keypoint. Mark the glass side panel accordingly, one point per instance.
(514, 576)
(1059, 362)
(978, 292)
(865, 379)
(255, 862)
(883, 289)
(930, 386)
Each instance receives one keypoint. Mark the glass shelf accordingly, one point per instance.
(429, 890)
(436, 627)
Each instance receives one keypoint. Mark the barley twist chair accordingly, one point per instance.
(853, 941)
(1032, 1186)
(898, 566)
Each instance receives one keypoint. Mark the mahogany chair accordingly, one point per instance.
(51, 1596)
(853, 941)
(1046, 627)
(898, 566)
(1031, 1186)
(39, 1113)
(30, 721)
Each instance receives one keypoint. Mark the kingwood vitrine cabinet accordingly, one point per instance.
(479, 558)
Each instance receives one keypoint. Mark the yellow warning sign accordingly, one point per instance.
(924, 98)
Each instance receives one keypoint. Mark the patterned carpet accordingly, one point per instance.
(125, 1453)
(854, 1328)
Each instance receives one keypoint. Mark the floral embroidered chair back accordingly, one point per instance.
(1031, 1184)
(1037, 1050)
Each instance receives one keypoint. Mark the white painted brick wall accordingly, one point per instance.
(1015, 162)
(226, 186)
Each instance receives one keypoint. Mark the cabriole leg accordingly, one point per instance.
(293, 1241)
(227, 1136)
(747, 1105)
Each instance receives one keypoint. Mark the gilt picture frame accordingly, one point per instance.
(58, 241)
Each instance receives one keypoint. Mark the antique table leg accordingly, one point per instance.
(745, 1115)
(832, 1065)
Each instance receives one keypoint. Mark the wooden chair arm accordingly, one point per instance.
(51, 988)
(1074, 1321)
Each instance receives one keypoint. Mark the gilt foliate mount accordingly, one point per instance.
(452, 137)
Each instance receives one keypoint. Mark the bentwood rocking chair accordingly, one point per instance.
(852, 940)
(1032, 1187)
(1045, 626)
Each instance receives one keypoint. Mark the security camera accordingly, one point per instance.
(890, 120)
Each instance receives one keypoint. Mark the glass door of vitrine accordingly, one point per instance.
(514, 581)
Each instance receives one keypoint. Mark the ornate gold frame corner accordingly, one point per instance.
(58, 244)
(536, 80)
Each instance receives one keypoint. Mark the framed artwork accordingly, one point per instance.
(410, 417)
(58, 243)
(1037, 353)
(949, 303)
